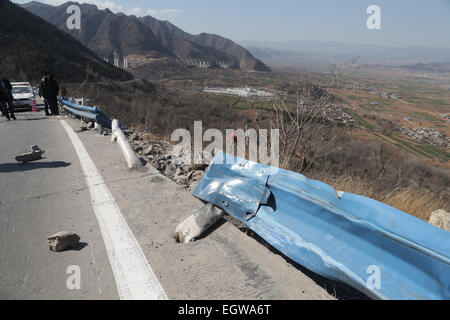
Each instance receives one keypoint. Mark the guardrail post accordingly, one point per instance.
(118, 136)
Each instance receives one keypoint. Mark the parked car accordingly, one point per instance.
(24, 96)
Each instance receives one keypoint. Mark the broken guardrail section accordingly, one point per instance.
(198, 223)
(379, 250)
(93, 114)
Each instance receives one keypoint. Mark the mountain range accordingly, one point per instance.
(29, 45)
(136, 41)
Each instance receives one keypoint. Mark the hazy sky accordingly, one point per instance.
(403, 22)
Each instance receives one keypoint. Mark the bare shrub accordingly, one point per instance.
(299, 115)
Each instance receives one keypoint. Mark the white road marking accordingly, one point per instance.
(134, 277)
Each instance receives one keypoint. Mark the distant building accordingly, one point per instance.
(134, 60)
(241, 92)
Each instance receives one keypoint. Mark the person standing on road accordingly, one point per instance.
(6, 98)
(49, 89)
(41, 94)
(1, 103)
(53, 98)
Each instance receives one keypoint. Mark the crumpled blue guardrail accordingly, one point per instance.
(344, 237)
(86, 112)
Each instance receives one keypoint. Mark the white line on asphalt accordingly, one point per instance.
(135, 279)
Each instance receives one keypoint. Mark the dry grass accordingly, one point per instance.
(416, 201)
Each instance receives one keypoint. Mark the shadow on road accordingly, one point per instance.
(80, 246)
(20, 167)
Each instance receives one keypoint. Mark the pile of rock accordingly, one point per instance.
(172, 163)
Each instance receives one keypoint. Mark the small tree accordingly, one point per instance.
(301, 119)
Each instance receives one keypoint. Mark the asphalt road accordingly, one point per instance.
(41, 198)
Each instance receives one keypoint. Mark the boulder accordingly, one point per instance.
(62, 240)
(197, 175)
(202, 166)
(31, 153)
(182, 179)
(169, 171)
(138, 149)
(441, 219)
(197, 224)
(178, 172)
(186, 168)
(156, 149)
(149, 151)
(82, 129)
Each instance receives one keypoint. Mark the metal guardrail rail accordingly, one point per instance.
(379, 250)
(93, 114)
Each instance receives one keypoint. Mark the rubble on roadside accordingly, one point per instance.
(92, 126)
(171, 162)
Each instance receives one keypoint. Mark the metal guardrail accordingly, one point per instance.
(93, 114)
(379, 250)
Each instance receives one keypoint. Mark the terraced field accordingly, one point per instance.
(421, 105)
